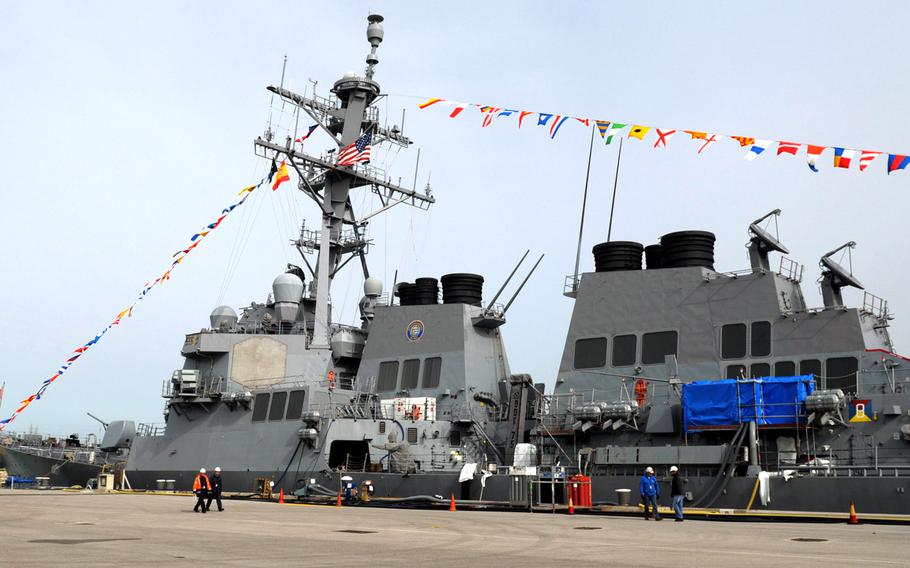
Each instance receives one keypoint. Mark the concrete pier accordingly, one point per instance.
(44, 528)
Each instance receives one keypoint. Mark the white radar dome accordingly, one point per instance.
(287, 288)
(372, 287)
(223, 317)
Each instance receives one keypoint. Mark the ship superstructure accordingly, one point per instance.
(639, 339)
(282, 386)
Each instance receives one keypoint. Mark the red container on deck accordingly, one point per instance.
(580, 490)
(584, 490)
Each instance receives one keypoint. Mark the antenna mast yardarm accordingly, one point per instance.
(345, 117)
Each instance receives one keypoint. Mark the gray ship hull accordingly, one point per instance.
(872, 495)
(61, 473)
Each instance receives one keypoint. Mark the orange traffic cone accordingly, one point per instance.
(338, 500)
(452, 503)
(281, 496)
(853, 520)
(571, 506)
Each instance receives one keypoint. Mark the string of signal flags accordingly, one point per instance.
(552, 122)
(277, 175)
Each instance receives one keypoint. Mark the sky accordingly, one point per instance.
(128, 128)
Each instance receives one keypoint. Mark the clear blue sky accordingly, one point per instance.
(125, 129)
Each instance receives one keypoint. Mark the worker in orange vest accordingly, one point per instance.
(201, 487)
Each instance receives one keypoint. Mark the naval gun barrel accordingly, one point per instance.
(103, 423)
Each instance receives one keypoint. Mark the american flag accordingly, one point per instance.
(357, 152)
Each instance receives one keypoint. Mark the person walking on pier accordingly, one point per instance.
(201, 487)
(216, 490)
(676, 493)
(650, 492)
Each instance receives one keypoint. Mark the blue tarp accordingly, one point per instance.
(768, 401)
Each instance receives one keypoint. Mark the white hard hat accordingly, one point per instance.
(202, 470)
(649, 469)
(673, 469)
(217, 469)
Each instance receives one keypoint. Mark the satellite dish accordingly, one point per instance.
(834, 277)
(769, 242)
(841, 273)
(762, 242)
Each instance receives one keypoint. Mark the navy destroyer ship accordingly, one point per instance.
(732, 377)
(66, 462)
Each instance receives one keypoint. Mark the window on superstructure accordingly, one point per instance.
(785, 369)
(735, 372)
(840, 373)
(388, 376)
(761, 338)
(295, 404)
(412, 435)
(431, 369)
(733, 341)
(810, 367)
(759, 370)
(410, 373)
(591, 353)
(260, 407)
(655, 346)
(276, 410)
(624, 350)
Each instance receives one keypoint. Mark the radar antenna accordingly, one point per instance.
(375, 33)
(834, 277)
(762, 243)
(345, 116)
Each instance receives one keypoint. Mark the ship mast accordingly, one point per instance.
(345, 116)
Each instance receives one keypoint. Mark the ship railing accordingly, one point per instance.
(867, 461)
(248, 327)
(356, 409)
(81, 455)
(354, 463)
(150, 430)
(554, 411)
(570, 285)
(831, 470)
(624, 393)
(496, 310)
(210, 387)
(875, 306)
(451, 459)
(271, 328)
(791, 270)
(53, 453)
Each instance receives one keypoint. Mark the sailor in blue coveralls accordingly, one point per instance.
(650, 492)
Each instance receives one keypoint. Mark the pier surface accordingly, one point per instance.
(43, 528)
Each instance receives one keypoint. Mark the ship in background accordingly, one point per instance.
(730, 376)
(66, 462)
